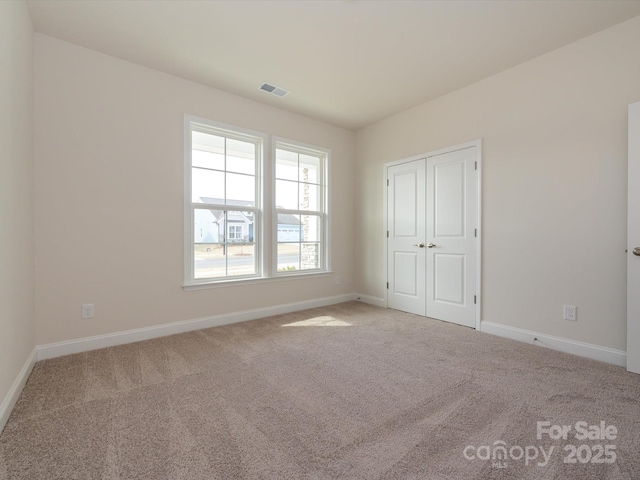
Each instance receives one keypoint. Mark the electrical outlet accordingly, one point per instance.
(87, 310)
(571, 313)
(337, 279)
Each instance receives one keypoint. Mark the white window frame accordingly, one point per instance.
(265, 215)
(323, 212)
(192, 123)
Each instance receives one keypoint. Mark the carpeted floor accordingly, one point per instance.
(343, 392)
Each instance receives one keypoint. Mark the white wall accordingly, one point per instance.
(109, 195)
(554, 186)
(17, 337)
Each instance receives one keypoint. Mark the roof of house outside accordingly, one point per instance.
(283, 218)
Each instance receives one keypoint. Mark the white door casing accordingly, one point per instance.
(633, 241)
(451, 236)
(406, 231)
(434, 200)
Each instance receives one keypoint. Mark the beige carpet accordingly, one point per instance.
(343, 392)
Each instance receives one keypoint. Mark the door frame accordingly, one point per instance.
(474, 143)
(633, 306)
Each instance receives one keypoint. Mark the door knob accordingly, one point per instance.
(431, 245)
(421, 245)
(636, 251)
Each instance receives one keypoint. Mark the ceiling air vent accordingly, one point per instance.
(273, 90)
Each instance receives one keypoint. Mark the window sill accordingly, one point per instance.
(253, 281)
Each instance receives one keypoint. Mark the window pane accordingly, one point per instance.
(208, 226)
(240, 227)
(207, 150)
(207, 160)
(288, 257)
(286, 165)
(311, 228)
(289, 228)
(241, 259)
(241, 165)
(209, 260)
(286, 194)
(218, 260)
(208, 252)
(309, 169)
(212, 257)
(310, 256)
(309, 197)
(241, 190)
(241, 156)
(207, 186)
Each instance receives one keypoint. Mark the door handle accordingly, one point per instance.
(431, 245)
(421, 245)
(636, 251)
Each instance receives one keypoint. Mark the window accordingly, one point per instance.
(300, 200)
(225, 203)
(235, 233)
(249, 216)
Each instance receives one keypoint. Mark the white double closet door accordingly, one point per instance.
(432, 228)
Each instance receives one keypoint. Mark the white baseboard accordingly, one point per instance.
(53, 350)
(595, 352)
(14, 392)
(377, 301)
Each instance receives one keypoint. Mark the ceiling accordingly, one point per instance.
(347, 62)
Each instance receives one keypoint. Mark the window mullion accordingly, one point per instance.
(226, 244)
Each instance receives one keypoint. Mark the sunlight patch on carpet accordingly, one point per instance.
(319, 322)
